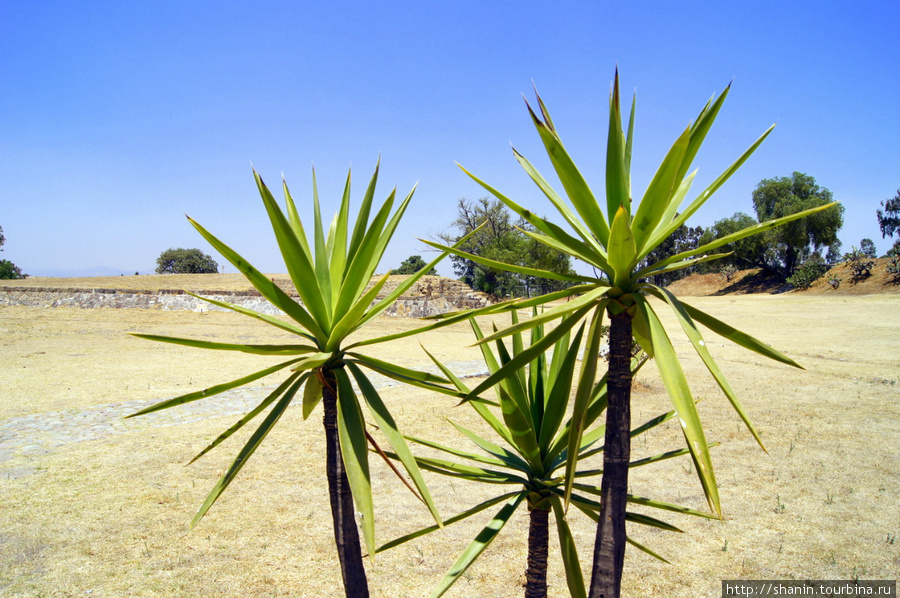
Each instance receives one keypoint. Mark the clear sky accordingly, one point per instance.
(117, 118)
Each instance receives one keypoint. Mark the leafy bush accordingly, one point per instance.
(728, 272)
(834, 281)
(859, 265)
(893, 268)
(809, 272)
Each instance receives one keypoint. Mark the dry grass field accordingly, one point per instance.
(102, 510)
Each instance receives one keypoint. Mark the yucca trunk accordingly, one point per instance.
(346, 534)
(609, 546)
(538, 540)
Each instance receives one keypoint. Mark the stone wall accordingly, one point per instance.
(429, 296)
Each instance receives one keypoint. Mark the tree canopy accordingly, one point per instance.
(889, 216)
(794, 242)
(502, 240)
(8, 270)
(867, 248)
(185, 261)
(413, 264)
(685, 238)
(744, 253)
(781, 250)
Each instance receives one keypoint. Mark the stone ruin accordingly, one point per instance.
(431, 295)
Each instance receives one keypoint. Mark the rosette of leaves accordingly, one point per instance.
(529, 417)
(330, 273)
(612, 238)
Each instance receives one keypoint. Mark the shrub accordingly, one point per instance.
(728, 272)
(859, 265)
(834, 281)
(893, 268)
(808, 272)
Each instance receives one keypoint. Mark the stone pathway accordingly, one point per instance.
(43, 433)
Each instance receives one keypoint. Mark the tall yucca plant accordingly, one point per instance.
(613, 238)
(330, 274)
(529, 417)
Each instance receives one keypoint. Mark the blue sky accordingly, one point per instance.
(117, 118)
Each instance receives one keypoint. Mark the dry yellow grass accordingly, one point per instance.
(107, 517)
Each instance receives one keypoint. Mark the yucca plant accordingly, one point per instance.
(612, 239)
(330, 274)
(534, 435)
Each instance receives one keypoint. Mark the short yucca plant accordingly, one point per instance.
(529, 417)
(613, 237)
(330, 273)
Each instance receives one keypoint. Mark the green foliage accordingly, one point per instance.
(185, 261)
(796, 241)
(894, 251)
(330, 273)
(529, 418)
(728, 272)
(613, 239)
(807, 273)
(9, 271)
(860, 265)
(683, 239)
(889, 216)
(780, 250)
(893, 268)
(502, 241)
(744, 252)
(867, 248)
(413, 264)
(834, 281)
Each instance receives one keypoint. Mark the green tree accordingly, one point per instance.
(498, 239)
(685, 238)
(413, 264)
(494, 234)
(790, 245)
(867, 248)
(330, 274)
(744, 253)
(8, 270)
(185, 261)
(614, 244)
(889, 216)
